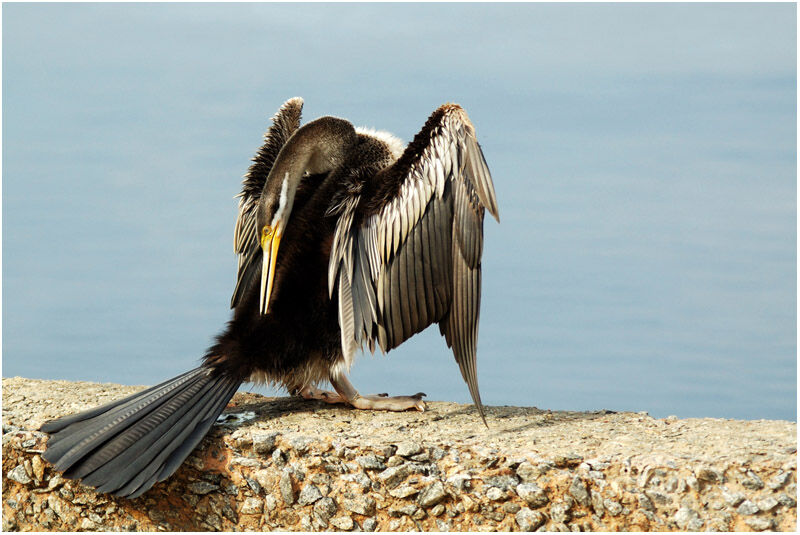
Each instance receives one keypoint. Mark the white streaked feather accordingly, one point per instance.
(285, 202)
(439, 170)
(447, 161)
(346, 319)
(374, 259)
(454, 153)
(404, 220)
(380, 224)
(380, 281)
(427, 191)
(439, 188)
(348, 257)
(413, 205)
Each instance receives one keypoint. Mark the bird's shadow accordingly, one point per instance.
(268, 408)
(264, 409)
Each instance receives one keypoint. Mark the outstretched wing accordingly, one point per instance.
(245, 241)
(407, 247)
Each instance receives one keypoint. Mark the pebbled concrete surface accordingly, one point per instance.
(288, 464)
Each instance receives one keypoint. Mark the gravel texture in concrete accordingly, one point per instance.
(294, 465)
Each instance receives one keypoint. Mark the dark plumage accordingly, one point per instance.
(344, 239)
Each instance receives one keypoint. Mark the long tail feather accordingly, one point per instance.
(128, 449)
(60, 423)
(127, 446)
(72, 442)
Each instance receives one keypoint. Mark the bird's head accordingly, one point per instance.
(316, 148)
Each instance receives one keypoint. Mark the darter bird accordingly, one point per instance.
(345, 239)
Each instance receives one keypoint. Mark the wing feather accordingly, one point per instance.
(405, 294)
(418, 243)
(245, 241)
(426, 260)
(396, 317)
(420, 284)
(365, 283)
(443, 267)
(346, 314)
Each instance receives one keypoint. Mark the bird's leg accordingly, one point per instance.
(311, 392)
(378, 402)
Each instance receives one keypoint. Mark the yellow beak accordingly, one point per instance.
(269, 248)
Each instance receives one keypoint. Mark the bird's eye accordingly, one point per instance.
(266, 231)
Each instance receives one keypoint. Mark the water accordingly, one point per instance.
(644, 158)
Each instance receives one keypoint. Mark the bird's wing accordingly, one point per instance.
(407, 247)
(245, 240)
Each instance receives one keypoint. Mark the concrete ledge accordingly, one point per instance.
(285, 464)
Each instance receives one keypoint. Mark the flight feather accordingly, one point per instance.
(407, 248)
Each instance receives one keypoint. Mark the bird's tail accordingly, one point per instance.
(127, 446)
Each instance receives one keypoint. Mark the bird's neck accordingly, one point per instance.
(286, 197)
(316, 148)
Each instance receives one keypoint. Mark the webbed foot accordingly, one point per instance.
(376, 402)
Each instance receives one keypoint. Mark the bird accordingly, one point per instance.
(346, 240)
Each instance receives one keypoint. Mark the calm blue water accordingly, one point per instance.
(644, 158)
